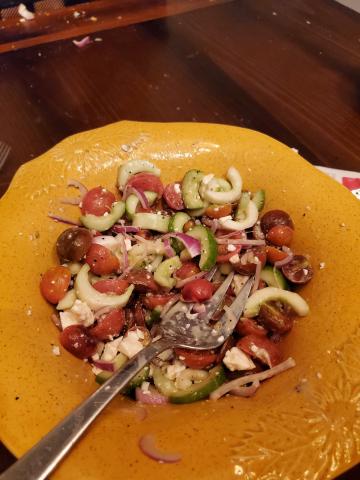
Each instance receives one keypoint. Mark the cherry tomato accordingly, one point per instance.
(146, 181)
(276, 320)
(248, 326)
(260, 348)
(197, 359)
(109, 325)
(247, 265)
(223, 253)
(273, 218)
(97, 201)
(298, 270)
(173, 196)
(101, 260)
(142, 279)
(280, 235)
(116, 286)
(73, 244)
(76, 340)
(273, 254)
(54, 283)
(198, 290)
(145, 234)
(187, 269)
(139, 314)
(189, 225)
(218, 211)
(152, 301)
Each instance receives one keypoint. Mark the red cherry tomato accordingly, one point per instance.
(223, 253)
(109, 325)
(187, 269)
(247, 265)
(111, 285)
(280, 235)
(198, 290)
(76, 340)
(54, 283)
(173, 196)
(298, 270)
(197, 359)
(142, 279)
(248, 326)
(274, 254)
(275, 217)
(152, 301)
(146, 181)
(260, 348)
(218, 211)
(97, 201)
(101, 260)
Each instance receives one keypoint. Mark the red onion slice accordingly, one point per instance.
(169, 251)
(124, 229)
(80, 186)
(139, 193)
(103, 311)
(83, 42)
(191, 244)
(124, 253)
(236, 241)
(59, 219)
(181, 283)
(246, 391)
(285, 261)
(140, 412)
(231, 234)
(71, 201)
(104, 365)
(256, 278)
(150, 397)
(147, 446)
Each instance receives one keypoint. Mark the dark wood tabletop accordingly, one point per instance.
(288, 69)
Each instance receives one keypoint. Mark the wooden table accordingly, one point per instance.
(289, 69)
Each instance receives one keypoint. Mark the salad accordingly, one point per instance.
(135, 252)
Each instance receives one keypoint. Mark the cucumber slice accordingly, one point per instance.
(259, 199)
(274, 277)
(132, 202)
(198, 212)
(252, 214)
(176, 224)
(242, 207)
(67, 301)
(151, 221)
(209, 248)
(190, 189)
(132, 167)
(232, 195)
(198, 391)
(163, 274)
(96, 300)
(119, 362)
(104, 222)
(269, 294)
(153, 316)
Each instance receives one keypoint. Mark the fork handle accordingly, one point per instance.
(41, 459)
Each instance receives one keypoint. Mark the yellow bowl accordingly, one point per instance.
(303, 424)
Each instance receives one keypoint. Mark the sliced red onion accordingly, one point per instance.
(169, 304)
(248, 391)
(139, 193)
(285, 261)
(139, 411)
(124, 253)
(150, 397)
(169, 251)
(147, 446)
(191, 244)
(184, 281)
(59, 219)
(256, 278)
(70, 201)
(231, 234)
(83, 42)
(238, 241)
(56, 321)
(102, 311)
(104, 365)
(125, 229)
(80, 186)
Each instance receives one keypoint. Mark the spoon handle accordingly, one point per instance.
(42, 459)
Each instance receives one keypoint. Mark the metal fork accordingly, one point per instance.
(177, 329)
(4, 153)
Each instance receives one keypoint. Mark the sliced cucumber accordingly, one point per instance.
(119, 362)
(67, 301)
(209, 248)
(198, 212)
(197, 391)
(151, 221)
(132, 202)
(132, 167)
(190, 189)
(273, 277)
(153, 316)
(230, 196)
(269, 294)
(252, 214)
(242, 207)
(96, 300)
(104, 222)
(259, 199)
(163, 274)
(176, 224)
(139, 378)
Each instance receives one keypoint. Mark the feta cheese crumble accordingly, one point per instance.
(236, 359)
